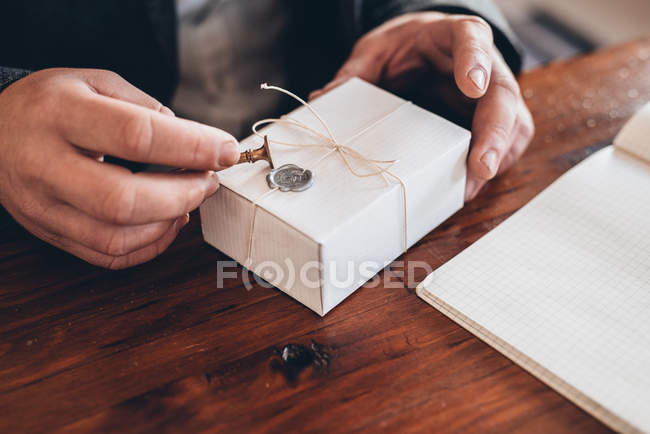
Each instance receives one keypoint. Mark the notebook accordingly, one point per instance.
(562, 287)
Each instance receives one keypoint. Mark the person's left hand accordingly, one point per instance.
(424, 44)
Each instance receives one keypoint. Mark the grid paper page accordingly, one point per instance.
(563, 288)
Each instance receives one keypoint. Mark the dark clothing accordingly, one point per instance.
(137, 38)
(134, 38)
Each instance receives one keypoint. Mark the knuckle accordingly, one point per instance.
(202, 153)
(31, 208)
(508, 85)
(157, 106)
(108, 74)
(474, 47)
(473, 22)
(119, 205)
(193, 198)
(502, 135)
(101, 75)
(105, 80)
(137, 136)
(528, 129)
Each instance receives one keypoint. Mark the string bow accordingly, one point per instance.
(329, 141)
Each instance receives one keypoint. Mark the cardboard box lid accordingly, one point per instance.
(406, 132)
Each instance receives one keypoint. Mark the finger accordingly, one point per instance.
(473, 186)
(107, 261)
(523, 134)
(113, 194)
(110, 126)
(102, 237)
(112, 85)
(146, 253)
(367, 65)
(472, 44)
(329, 86)
(521, 137)
(493, 123)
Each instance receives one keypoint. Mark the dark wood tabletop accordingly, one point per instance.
(164, 347)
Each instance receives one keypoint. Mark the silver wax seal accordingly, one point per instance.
(290, 177)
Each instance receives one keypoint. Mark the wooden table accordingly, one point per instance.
(164, 347)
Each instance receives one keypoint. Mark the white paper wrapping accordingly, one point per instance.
(343, 229)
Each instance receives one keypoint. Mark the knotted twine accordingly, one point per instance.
(329, 141)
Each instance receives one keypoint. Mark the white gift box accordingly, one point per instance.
(321, 244)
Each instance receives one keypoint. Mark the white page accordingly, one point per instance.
(563, 287)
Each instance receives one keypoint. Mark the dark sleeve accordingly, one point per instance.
(374, 12)
(9, 75)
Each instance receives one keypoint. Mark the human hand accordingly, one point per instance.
(56, 126)
(416, 47)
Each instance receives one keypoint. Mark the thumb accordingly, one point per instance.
(367, 66)
(471, 51)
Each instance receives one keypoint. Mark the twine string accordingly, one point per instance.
(328, 141)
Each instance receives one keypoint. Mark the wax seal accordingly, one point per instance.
(290, 177)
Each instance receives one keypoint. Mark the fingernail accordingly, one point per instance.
(478, 77)
(214, 184)
(490, 160)
(229, 154)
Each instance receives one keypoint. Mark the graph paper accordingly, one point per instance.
(563, 288)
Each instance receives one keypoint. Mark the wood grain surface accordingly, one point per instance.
(168, 347)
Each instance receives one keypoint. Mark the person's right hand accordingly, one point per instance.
(56, 126)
